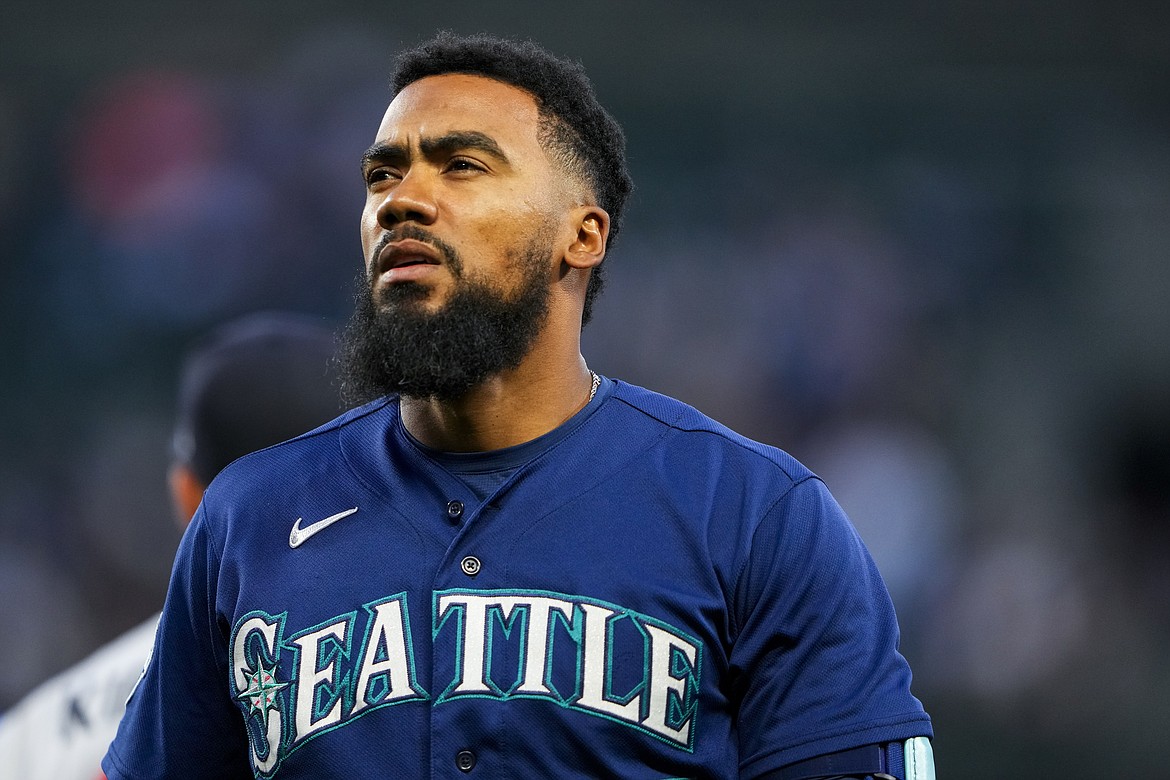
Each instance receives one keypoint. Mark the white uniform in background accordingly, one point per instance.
(61, 730)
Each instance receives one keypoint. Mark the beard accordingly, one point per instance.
(393, 345)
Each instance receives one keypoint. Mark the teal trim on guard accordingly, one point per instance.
(919, 759)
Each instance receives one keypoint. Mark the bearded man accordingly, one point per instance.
(504, 564)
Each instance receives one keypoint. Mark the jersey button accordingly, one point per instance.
(470, 565)
(454, 510)
(465, 760)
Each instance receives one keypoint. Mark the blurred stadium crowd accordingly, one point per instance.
(922, 249)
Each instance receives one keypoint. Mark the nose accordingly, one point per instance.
(410, 200)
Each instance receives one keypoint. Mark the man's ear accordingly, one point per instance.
(588, 247)
(186, 492)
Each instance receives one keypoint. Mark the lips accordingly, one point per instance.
(406, 253)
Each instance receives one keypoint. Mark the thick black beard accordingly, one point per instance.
(398, 347)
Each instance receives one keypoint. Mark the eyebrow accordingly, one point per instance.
(446, 144)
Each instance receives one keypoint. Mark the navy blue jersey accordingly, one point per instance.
(651, 595)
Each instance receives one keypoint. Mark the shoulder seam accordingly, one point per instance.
(751, 545)
(345, 418)
(342, 420)
(722, 434)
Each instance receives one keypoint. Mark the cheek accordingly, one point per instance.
(369, 230)
(509, 224)
(496, 246)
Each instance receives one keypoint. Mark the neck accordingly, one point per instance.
(509, 408)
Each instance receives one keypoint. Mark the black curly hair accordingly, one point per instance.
(574, 127)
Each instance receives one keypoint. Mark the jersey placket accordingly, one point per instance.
(465, 728)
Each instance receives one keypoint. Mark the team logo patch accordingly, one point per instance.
(581, 654)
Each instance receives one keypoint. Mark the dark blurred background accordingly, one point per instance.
(921, 246)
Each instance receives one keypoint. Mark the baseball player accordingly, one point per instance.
(251, 383)
(504, 564)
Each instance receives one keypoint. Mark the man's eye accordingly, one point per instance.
(462, 164)
(380, 174)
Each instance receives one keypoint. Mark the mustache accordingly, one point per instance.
(415, 233)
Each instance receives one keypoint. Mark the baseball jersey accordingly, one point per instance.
(648, 595)
(61, 730)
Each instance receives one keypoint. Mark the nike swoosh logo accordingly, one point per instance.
(299, 535)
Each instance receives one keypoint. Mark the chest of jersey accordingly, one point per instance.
(592, 615)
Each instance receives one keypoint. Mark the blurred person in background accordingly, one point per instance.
(249, 384)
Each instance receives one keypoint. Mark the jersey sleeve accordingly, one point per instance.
(816, 648)
(180, 721)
